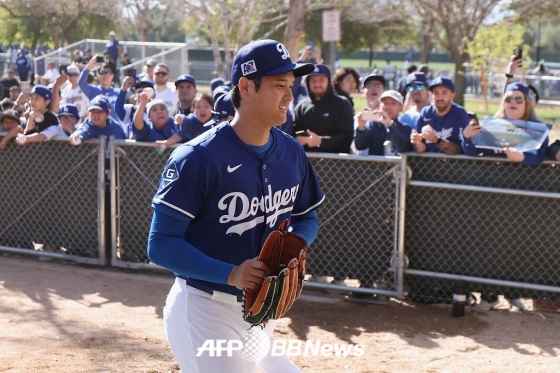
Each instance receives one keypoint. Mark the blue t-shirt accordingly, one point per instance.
(88, 130)
(91, 91)
(150, 133)
(111, 48)
(448, 127)
(191, 127)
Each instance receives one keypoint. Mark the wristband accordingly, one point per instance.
(509, 75)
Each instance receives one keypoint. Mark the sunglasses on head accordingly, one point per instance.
(418, 87)
(517, 99)
(72, 74)
(374, 85)
(105, 72)
(162, 73)
(532, 95)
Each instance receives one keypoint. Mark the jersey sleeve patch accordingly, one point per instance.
(170, 174)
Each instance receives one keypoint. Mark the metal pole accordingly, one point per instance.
(539, 40)
(402, 209)
(101, 200)
(113, 194)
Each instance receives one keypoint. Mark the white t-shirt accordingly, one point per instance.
(51, 75)
(54, 131)
(170, 98)
(77, 97)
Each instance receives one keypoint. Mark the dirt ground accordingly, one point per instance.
(61, 317)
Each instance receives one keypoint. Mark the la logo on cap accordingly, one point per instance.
(249, 67)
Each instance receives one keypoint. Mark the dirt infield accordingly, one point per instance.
(58, 317)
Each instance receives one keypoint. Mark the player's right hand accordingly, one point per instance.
(248, 275)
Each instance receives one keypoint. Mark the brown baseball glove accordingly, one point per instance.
(284, 253)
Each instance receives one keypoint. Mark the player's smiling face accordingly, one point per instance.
(274, 97)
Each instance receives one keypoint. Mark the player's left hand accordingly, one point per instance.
(248, 275)
(514, 155)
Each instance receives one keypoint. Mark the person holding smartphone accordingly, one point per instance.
(515, 106)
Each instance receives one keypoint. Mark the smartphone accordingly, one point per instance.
(63, 69)
(369, 115)
(131, 72)
(472, 116)
(311, 44)
(518, 52)
(100, 59)
(302, 133)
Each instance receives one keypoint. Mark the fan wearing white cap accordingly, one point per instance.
(211, 214)
(71, 93)
(160, 125)
(385, 126)
(113, 48)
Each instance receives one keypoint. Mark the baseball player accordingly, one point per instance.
(219, 197)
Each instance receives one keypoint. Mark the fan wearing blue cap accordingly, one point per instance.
(185, 88)
(324, 121)
(68, 115)
(40, 117)
(220, 196)
(416, 88)
(439, 127)
(514, 105)
(99, 123)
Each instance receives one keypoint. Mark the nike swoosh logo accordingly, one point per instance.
(231, 169)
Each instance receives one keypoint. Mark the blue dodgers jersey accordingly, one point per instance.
(234, 196)
(449, 127)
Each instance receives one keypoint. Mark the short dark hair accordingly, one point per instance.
(341, 74)
(108, 65)
(236, 97)
(412, 68)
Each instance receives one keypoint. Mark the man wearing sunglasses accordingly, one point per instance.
(163, 92)
(72, 93)
(106, 75)
(440, 126)
(417, 95)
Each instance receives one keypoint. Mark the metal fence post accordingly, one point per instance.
(101, 199)
(113, 194)
(403, 180)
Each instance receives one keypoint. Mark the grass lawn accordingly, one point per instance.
(356, 64)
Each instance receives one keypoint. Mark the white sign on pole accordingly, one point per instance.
(331, 25)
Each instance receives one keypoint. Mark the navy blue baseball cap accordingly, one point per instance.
(517, 87)
(320, 70)
(223, 108)
(220, 91)
(442, 81)
(417, 78)
(185, 78)
(215, 83)
(43, 91)
(69, 109)
(99, 102)
(264, 58)
(145, 82)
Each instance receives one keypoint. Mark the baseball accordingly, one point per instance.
(150, 92)
(427, 130)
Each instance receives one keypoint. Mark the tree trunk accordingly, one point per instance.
(295, 29)
(370, 57)
(460, 79)
(426, 47)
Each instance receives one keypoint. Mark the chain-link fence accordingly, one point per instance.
(52, 200)
(138, 170)
(486, 225)
(358, 237)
